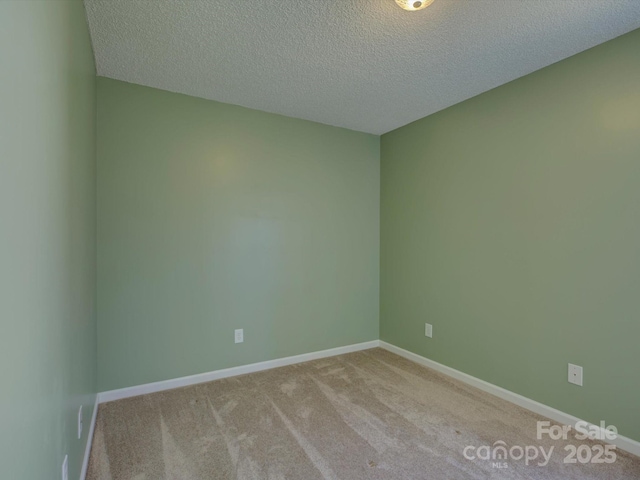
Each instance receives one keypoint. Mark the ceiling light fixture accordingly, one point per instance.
(414, 5)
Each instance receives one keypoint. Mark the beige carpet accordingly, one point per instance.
(365, 415)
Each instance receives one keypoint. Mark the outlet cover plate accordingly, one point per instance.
(575, 374)
(239, 335)
(80, 422)
(65, 468)
(428, 330)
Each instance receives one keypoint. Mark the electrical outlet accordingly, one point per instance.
(575, 374)
(65, 468)
(239, 335)
(428, 330)
(80, 422)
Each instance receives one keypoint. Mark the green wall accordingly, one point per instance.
(47, 237)
(511, 222)
(213, 217)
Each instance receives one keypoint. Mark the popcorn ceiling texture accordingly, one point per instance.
(361, 64)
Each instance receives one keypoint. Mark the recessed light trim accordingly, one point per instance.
(414, 5)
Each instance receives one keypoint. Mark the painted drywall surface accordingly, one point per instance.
(214, 217)
(47, 237)
(511, 222)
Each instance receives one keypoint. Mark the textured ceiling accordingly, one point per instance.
(360, 64)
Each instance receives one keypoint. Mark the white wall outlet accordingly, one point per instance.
(80, 422)
(428, 330)
(65, 468)
(239, 335)
(575, 374)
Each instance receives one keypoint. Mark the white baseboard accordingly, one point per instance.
(119, 394)
(621, 442)
(87, 450)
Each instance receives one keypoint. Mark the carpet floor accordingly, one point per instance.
(364, 415)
